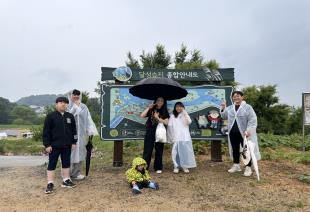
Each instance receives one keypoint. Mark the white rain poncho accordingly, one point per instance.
(84, 126)
(178, 134)
(246, 121)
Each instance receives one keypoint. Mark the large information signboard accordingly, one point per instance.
(120, 119)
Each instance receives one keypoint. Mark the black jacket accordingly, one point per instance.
(59, 130)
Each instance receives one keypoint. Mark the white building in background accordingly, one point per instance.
(3, 136)
(37, 109)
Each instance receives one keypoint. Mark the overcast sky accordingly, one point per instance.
(53, 46)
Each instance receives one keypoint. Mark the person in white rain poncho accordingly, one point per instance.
(178, 133)
(85, 128)
(242, 121)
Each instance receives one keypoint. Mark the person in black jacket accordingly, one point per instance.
(59, 137)
(156, 113)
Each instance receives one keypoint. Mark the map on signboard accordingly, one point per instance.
(124, 105)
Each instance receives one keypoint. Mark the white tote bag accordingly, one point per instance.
(245, 151)
(161, 133)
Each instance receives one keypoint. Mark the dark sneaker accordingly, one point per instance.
(68, 184)
(49, 188)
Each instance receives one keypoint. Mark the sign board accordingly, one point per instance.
(120, 118)
(306, 108)
(202, 75)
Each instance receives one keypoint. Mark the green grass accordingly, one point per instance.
(274, 141)
(304, 178)
(285, 153)
(21, 147)
(14, 126)
(272, 147)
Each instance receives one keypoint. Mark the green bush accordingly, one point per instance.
(2, 148)
(20, 121)
(274, 141)
(285, 153)
(37, 133)
(201, 147)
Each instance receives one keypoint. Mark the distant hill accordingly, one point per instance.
(39, 100)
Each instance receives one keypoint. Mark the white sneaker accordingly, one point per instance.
(186, 170)
(175, 170)
(248, 171)
(235, 168)
(79, 177)
(159, 171)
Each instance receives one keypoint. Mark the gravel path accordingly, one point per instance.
(22, 161)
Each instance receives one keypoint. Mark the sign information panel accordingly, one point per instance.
(120, 119)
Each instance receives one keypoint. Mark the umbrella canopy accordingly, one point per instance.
(152, 88)
(89, 148)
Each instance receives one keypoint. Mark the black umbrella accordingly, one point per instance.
(152, 88)
(89, 148)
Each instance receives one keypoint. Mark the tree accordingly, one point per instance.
(5, 110)
(131, 61)
(295, 121)
(272, 117)
(94, 107)
(160, 59)
(147, 60)
(180, 57)
(212, 64)
(196, 57)
(85, 96)
(49, 109)
(196, 60)
(22, 114)
(98, 88)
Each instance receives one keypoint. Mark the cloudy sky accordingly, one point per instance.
(54, 46)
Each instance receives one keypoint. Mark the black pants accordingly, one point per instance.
(149, 144)
(236, 139)
(65, 155)
(143, 184)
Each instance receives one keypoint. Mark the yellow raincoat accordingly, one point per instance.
(133, 174)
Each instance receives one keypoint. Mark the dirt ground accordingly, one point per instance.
(209, 187)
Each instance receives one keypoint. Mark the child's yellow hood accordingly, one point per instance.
(138, 161)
